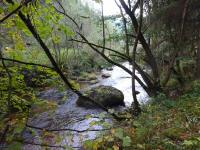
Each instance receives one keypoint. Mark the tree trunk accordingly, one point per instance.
(136, 105)
(151, 61)
(198, 61)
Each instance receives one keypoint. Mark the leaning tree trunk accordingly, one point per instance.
(151, 61)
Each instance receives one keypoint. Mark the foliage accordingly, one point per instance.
(163, 124)
(22, 98)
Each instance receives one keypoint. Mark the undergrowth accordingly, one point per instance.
(164, 124)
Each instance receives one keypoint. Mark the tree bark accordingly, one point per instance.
(198, 61)
(150, 58)
(179, 43)
(136, 105)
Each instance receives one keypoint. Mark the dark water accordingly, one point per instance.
(69, 116)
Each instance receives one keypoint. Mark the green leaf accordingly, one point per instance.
(1, 10)
(48, 1)
(198, 139)
(88, 116)
(188, 142)
(67, 30)
(111, 111)
(102, 115)
(15, 146)
(19, 128)
(98, 1)
(126, 141)
(119, 133)
(89, 144)
(93, 123)
(106, 124)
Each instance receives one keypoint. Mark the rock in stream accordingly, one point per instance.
(73, 120)
(105, 95)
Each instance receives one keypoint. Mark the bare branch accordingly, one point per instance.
(136, 107)
(15, 11)
(42, 144)
(150, 57)
(9, 82)
(144, 75)
(26, 63)
(135, 6)
(114, 63)
(63, 12)
(125, 27)
(103, 22)
(109, 49)
(68, 129)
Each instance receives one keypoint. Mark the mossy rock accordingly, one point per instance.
(92, 76)
(173, 133)
(94, 81)
(173, 83)
(106, 95)
(87, 77)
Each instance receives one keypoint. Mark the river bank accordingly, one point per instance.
(164, 124)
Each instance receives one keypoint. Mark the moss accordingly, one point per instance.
(87, 76)
(173, 133)
(172, 83)
(105, 95)
(94, 81)
(167, 124)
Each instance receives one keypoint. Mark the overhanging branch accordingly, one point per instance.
(15, 11)
(26, 63)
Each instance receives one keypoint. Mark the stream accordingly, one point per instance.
(76, 127)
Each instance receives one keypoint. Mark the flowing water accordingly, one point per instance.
(70, 117)
(122, 81)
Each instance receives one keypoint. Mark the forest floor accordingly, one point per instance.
(164, 124)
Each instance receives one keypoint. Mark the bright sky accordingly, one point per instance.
(110, 8)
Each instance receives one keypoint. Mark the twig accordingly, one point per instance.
(4, 134)
(43, 145)
(15, 11)
(114, 63)
(67, 129)
(125, 27)
(150, 57)
(103, 22)
(26, 63)
(144, 75)
(99, 46)
(63, 12)
(9, 82)
(135, 6)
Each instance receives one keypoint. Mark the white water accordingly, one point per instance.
(122, 81)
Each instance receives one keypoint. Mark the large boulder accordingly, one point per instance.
(106, 95)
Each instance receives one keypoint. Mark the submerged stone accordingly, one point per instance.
(105, 75)
(109, 68)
